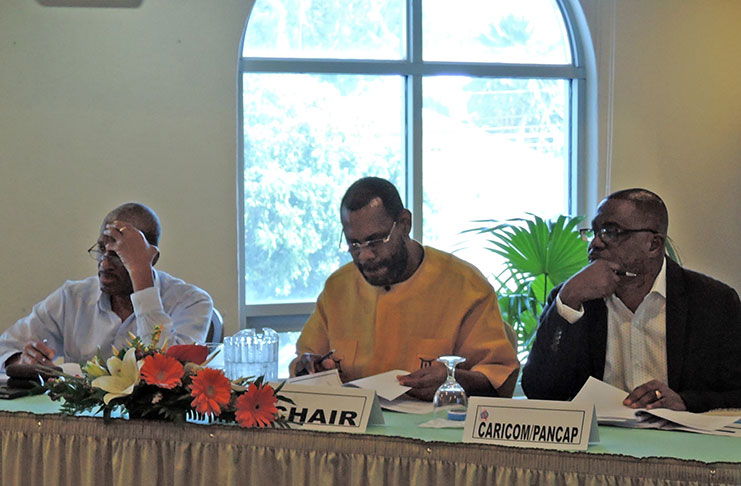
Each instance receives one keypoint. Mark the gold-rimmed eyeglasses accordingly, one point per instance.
(372, 245)
(98, 253)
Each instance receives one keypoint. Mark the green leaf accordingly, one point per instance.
(538, 255)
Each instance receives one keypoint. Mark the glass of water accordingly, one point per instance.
(249, 353)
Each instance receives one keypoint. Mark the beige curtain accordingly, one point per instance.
(52, 450)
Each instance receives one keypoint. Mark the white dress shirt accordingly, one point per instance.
(636, 342)
(77, 319)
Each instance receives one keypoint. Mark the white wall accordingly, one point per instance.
(103, 106)
(670, 74)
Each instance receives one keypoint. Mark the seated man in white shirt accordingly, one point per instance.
(669, 337)
(127, 295)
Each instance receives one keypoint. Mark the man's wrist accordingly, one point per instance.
(141, 278)
(569, 313)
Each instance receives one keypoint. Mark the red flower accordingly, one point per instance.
(185, 353)
(161, 370)
(256, 406)
(211, 389)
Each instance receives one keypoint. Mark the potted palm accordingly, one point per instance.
(538, 255)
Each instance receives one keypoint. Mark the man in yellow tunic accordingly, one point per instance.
(401, 305)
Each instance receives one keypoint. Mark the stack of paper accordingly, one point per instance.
(390, 392)
(608, 402)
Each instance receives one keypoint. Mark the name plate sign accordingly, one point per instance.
(331, 408)
(530, 423)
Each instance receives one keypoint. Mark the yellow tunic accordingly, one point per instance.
(446, 308)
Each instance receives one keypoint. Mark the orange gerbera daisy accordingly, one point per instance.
(163, 371)
(256, 406)
(211, 390)
(193, 353)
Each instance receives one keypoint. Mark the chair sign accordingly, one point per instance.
(331, 408)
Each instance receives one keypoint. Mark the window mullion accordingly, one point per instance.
(414, 118)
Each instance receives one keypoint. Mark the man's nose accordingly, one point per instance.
(596, 242)
(365, 254)
(107, 261)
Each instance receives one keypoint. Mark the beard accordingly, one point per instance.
(387, 271)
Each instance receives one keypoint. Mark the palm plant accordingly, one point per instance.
(538, 255)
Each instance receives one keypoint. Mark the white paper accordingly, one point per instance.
(72, 369)
(324, 378)
(440, 423)
(610, 410)
(385, 384)
(406, 405)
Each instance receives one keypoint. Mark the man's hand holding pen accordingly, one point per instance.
(35, 352)
(309, 363)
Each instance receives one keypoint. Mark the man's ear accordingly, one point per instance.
(405, 221)
(658, 243)
(156, 257)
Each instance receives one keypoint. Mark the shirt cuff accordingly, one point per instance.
(146, 301)
(571, 315)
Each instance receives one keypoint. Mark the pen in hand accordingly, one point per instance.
(322, 358)
(42, 353)
(623, 273)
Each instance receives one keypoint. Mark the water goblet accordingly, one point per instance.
(450, 399)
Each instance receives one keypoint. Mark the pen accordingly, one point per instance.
(625, 274)
(43, 341)
(330, 353)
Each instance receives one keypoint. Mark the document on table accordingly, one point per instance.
(385, 384)
(406, 405)
(608, 401)
(390, 392)
(324, 378)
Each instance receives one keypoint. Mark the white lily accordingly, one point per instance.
(123, 378)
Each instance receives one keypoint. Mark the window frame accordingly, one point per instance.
(581, 72)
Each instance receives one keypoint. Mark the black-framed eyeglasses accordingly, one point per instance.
(610, 234)
(355, 246)
(98, 253)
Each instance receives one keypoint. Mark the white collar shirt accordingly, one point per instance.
(636, 342)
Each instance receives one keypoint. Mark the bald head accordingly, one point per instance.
(648, 204)
(143, 218)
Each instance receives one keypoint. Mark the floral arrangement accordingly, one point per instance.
(170, 383)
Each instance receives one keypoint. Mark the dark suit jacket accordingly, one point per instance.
(703, 344)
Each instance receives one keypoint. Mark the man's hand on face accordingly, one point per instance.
(654, 394)
(597, 280)
(424, 381)
(309, 363)
(135, 252)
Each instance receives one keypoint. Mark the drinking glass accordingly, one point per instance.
(450, 399)
(251, 354)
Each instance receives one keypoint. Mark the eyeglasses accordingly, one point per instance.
(355, 247)
(610, 234)
(98, 253)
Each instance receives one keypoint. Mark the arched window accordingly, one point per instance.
(474, 109)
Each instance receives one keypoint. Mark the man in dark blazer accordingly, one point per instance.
(634, 318)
